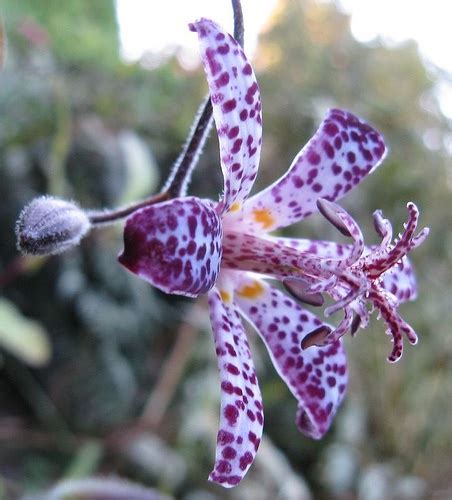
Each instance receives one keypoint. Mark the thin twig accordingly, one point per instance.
(174, 367)
(99, 217)
(183, 168)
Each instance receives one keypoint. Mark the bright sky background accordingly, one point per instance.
(427, 21)
(147, 25)
(160, 26)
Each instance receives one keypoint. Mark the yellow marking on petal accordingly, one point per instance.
(235, 207)
(264, 216)
(251, 291)
(225, 296)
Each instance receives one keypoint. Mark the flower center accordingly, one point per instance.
(356, 280)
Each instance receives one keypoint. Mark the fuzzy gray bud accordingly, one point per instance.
(48, 226)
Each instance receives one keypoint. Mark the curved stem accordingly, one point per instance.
(181, 173)
(98, 217)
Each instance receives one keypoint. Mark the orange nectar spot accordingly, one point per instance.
(264, 217)
(225, 296)
(235, 207)
(251, 291)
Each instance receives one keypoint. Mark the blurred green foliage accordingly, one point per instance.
(24, 338)
(66, 101)
(80, 33)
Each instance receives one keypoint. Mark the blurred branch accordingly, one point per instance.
(160, 398)
(12, 270)
(172, 370)
(43, 407)
(86, 460)
(17, 430)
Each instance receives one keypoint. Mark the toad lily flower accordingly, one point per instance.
(191, 246)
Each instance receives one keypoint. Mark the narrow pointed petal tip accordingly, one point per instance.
(237, 109)
(241, 414)
(176, 245)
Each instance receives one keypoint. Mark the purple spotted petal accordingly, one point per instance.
(317, 376)
(340, 154)
(236, 108)
(175, 245)
(250, 252)
(400, 280)
(323, 249)
(241, 417)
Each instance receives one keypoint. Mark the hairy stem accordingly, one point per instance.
(100, 217)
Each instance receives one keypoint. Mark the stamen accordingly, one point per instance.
(325, 285)
(344, 222)
(331, 214)
(342, 328)
(357, 289)
(383, 228)
(298, 289)
(407, 241)
(420, 238)
(396, 326)
(316, 337)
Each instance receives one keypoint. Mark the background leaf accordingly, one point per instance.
(23, 337)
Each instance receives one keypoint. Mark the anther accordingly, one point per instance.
(298, 291)
(316, 337)
(329, 211)
(356, 323)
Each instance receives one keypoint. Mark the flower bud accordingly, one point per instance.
(49, 226)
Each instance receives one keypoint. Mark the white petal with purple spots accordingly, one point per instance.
(401, 281)
(241, 413)
(236, 108)
(175, 245)
(316, 376)
(250, 252)
(340, 154)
